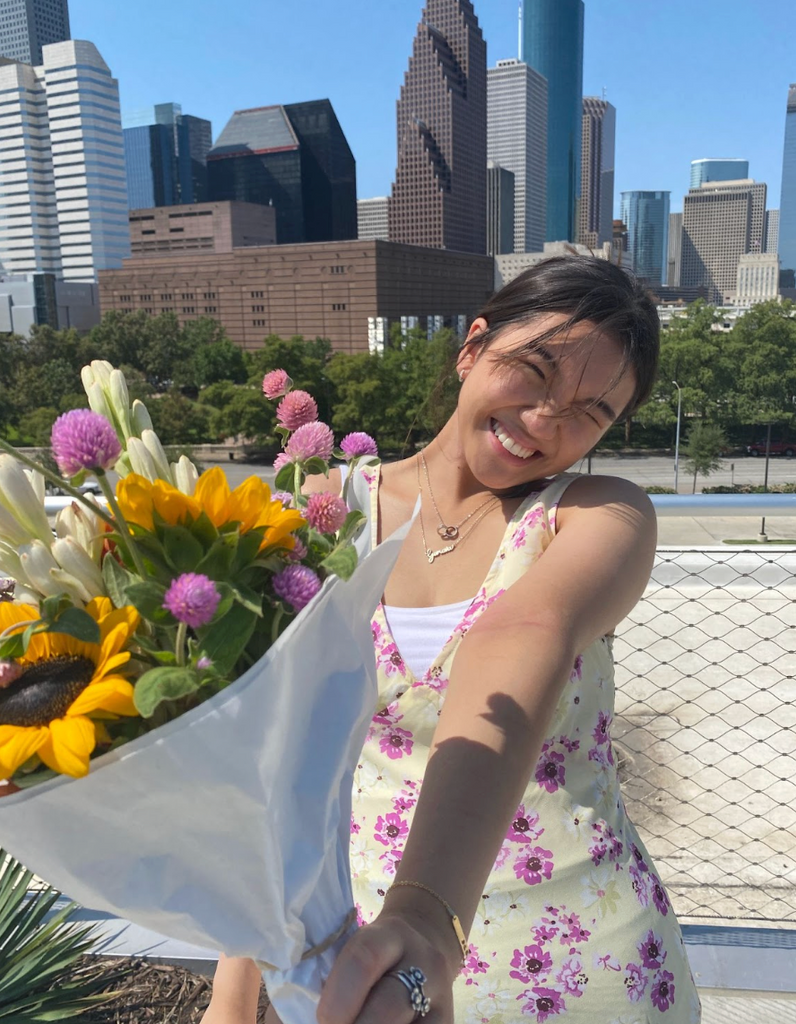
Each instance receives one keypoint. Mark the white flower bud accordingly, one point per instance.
(20, 500)
(185, 475)
(141, 420)
(83, 573)
(83, 526)
(37, 566)
(141, 461)
(119, 398)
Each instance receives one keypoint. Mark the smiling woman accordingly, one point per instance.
(496, 873)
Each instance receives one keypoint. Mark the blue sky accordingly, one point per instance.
(689, 78)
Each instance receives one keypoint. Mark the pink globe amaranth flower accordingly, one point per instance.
(296, 409)
(276, 383)
(313, 440)
(299, 552)
(357, 444)
(325, 512)
(284, 496)
(82, 439)
(204, 663)
(192, 598)
(297, 585)
(282, 459)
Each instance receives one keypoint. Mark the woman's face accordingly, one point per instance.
(541, 413)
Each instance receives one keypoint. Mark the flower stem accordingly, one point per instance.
(296, 482)
(127, 545)
(54, 478)
(275, 624)
(179, 646)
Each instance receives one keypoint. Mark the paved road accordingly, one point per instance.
(648, 471)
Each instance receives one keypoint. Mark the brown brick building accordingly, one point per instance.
(439, 194)
(191, 227)
(349, 292)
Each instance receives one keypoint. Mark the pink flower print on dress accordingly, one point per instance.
(377, 633)
(518, 538)
(525, 827)
(572, 931)
(545, 1003)
(569, 745)
(607, 962)
(355, 826)
(636, 981)
(602, 731)
(642, 885)
(662, 991)
(391, 859)
(479, 605)
(403, 803)
(395, 743)
(577, 670)
(531, 964)
(651, 951)
(388, 716)
(434, 679)
(534, 864)
(473, 965)
(550, 772)
(638, 856)
(369, 477)
(659, 895)
(571, 977)
(389, 658)
(390, 830)
(504, 853)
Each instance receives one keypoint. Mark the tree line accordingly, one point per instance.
(200, 387)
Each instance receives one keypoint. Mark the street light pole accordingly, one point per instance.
(677, 435)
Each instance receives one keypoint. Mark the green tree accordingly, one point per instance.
(703, 448)
(179, 421)
(304, 360)
(36, 426)
(219, 360)
(763, 351)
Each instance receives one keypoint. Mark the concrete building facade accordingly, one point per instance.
(516, 139)
(787, 202)
(552, 44)
(772, 232)
(500, 203)
(191, 227)
(30, 299)
(598, 160)
(758, 278)
(674, 259)
(511, 265)
(63, 189)
(349, 292)
(439, 193)
(721, 222)
(373, 218)
(646, 215)
(718, 169)
(26, 26)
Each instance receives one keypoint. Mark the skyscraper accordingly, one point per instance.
(28, 25)
(646, 215)
(373, 220)
(294, 157)
(596, 214)
(772, 232)
(166, 153)
(552, 43)
(675, 254)
(787, 203)
(439, 194)
(722, 169)
(63, 190)
(516, 138)
(721, 222)
(500, 199)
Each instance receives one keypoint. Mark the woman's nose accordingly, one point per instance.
(541, 420)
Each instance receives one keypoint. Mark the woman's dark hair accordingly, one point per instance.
(585, 290)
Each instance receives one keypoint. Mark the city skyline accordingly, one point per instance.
(656, 136)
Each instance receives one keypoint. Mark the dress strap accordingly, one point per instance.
(550, 497)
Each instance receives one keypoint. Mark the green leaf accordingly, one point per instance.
(161, 684)
(182, 549)
(283, 433)
(14, 646)
(49, 608)
(204, 531)
(76, 623)
(225, 640)
(218, 561)
(352, 523)
(248, 598)
(316, 465)
(116, 579)
(147, 599)
(284, 478)
(342, 562)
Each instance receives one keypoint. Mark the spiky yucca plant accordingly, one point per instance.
(40, 978)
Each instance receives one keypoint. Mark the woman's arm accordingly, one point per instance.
(506, 682)
(236, 992)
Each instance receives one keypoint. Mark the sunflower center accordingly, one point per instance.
(45, 691)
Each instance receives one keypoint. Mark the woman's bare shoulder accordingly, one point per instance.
(318, 482)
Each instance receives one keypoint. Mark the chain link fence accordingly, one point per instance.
(706, 730)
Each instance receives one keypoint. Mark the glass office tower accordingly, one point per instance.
(552, 44)
(28, 25)
(646, 215)
(166, 153)
(718, 170)
(787, 203)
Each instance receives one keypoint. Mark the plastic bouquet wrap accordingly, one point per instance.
(186, 680)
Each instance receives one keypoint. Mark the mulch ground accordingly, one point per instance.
(155, 993)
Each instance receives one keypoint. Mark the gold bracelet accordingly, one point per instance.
(457, 925)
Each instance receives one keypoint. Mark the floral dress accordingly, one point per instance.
(574, 923)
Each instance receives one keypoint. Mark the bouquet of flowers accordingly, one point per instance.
(186, 678)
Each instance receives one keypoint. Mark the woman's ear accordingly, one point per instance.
(469, 350)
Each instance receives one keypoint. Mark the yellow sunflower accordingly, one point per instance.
(50, 696)
(250, 505)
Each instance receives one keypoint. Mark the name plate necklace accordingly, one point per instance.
(450, 533)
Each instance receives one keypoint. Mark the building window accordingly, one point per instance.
(189, 309)
(186, 295)
(176, 231)
(337, 270)
(258, 295)
(148, 309)
(125, 298)
(258, 309)
(146, 298)
(259, 323)
(208, 295)
(338, 306)
(210, 309)
(151, 231)
(166, 298)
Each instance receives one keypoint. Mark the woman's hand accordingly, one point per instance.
(360, 990)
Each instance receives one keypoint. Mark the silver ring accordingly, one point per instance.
(413, 980)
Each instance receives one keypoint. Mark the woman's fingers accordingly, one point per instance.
(390, 1002)
(366, 957)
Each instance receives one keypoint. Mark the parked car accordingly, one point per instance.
(787, 448)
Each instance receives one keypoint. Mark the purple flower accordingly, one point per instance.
(390, 829)
(284, 496)
(296, 409)
(529, 963)
(297, 585)
(639, 858)
(651, 950)
(550, 772)
(662, 993)
(635, 982)
(313, 440)
(524, 828)
(299, 551)
(572, 977)
(545, 1003)
(659, 897)
(192, 598)
(357, 444)
(276, 383)
(533, 865)
(325, 512)
(204, 663)
(602, 731)
(395, 742)
(82, 439)
(642, 885)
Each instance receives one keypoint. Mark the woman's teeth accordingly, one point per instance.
(509, 444)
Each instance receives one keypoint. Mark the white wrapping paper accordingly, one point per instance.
(229, 827)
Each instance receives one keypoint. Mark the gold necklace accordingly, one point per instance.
(445, 531)
(459, 538)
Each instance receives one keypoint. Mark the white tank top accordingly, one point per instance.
(420, 633)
